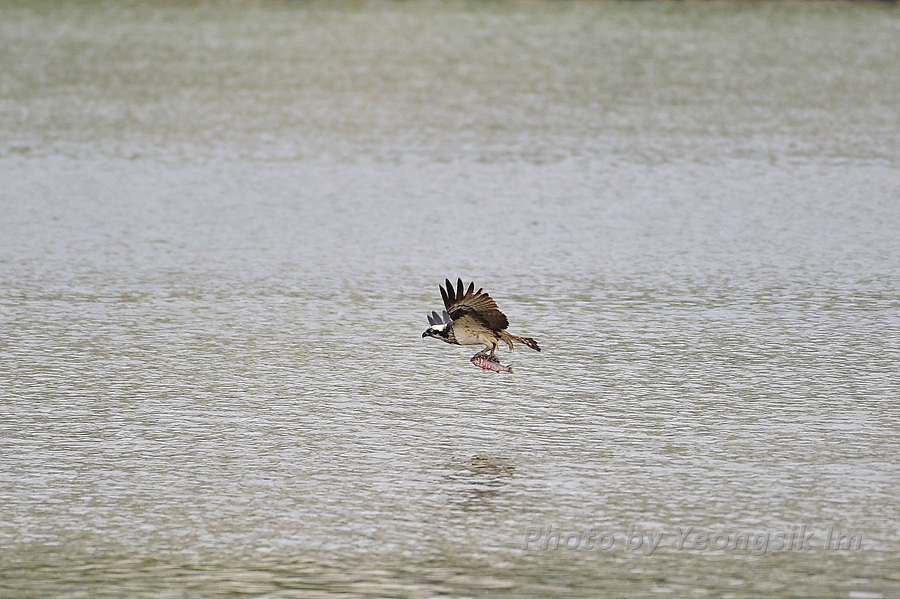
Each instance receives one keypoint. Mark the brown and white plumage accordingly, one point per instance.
(472, 318)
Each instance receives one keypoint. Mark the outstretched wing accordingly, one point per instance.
(461, 302)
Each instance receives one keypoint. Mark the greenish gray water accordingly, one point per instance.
(223, 225)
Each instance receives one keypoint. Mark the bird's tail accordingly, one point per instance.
(504, 336)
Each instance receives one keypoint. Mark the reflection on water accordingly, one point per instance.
(223, 226)
(479, 481)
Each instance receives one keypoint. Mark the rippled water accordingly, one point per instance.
(223, 225)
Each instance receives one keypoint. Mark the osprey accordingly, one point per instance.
(472, 318)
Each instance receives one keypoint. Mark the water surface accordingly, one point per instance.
(223, 225)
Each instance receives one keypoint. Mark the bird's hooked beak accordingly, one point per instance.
(425, 334)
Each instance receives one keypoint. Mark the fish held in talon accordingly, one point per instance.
(472, 318)
(493, 365)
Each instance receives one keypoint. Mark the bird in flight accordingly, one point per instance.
(472, 318)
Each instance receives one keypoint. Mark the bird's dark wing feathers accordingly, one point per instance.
(462, 301)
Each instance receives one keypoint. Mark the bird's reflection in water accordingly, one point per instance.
(479, 482)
